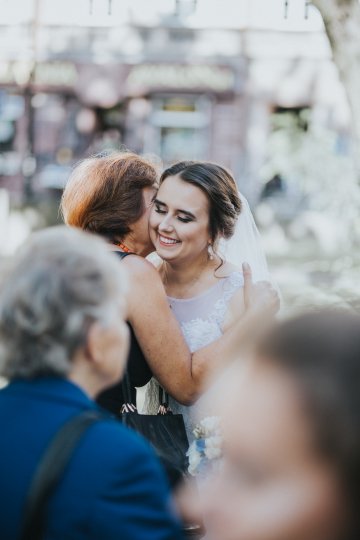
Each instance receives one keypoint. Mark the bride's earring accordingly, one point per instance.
(210, 252)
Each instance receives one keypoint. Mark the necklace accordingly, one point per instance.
(123, 247)
(193, 281)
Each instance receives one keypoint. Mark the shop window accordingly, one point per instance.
(11, 109)
(179, 127)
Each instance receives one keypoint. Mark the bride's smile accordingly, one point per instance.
(166, 241)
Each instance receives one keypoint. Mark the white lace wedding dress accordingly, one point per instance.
(201, 319)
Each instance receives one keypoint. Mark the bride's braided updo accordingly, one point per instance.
(220, 188)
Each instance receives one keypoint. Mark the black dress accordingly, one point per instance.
(138, 370)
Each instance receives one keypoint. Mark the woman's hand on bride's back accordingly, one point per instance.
(257, 302)
(260, 297)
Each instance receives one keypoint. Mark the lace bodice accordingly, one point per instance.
(201, 319)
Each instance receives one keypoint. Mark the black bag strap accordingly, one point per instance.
(50, 469)
(128, 405)
(163, 397)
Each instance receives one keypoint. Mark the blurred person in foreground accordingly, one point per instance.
(63, 340)
(291, 437)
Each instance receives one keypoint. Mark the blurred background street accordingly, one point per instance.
(249, 84)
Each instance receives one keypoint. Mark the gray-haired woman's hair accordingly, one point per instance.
(61, 282)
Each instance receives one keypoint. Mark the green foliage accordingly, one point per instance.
(307, 156)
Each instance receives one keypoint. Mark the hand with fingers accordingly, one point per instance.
(260, 297)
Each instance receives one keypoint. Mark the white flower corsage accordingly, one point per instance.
(206, 446)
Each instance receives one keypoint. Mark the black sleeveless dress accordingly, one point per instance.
(138, 370)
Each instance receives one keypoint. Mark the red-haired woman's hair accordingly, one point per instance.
(104, 194)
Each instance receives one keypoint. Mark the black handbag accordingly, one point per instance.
(165, 431)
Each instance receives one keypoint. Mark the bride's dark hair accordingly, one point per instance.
(220, 188)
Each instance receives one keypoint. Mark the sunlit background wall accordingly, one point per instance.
(246, 83)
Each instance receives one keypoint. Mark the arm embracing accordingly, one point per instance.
(181, 373)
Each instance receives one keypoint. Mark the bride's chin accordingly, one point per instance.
(168, 250)
(166, 256)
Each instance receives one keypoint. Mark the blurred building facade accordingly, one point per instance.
(182, 79)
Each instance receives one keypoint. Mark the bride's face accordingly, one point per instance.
(179, 221)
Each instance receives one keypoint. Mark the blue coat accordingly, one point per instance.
(114, 487)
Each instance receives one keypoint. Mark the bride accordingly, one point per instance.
(198, 224)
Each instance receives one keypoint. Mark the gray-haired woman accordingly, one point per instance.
(63, 340)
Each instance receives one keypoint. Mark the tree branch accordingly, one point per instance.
(342, 22)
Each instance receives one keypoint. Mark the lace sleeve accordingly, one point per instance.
(231, 285)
